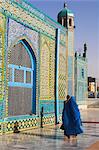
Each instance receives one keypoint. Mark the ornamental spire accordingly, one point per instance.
(65, 4)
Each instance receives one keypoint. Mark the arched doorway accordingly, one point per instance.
(22, 80)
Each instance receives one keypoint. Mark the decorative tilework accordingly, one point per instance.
(60, 118)
(17, 31)
(80, 82)
(61, 105)
(80, 91)
(1, 109)
(26, 17)
(70, 66)
(62, 72)
(70, 43)
(48, 120)
(2, 53)
(21, 124)
(48, 105)
(0, 128)
(63, 39)
(25, 25)
(70, 87)
(52, 69)
(47, 68)
(2, 65)
(25, 22)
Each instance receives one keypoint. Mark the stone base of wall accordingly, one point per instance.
(20, 123)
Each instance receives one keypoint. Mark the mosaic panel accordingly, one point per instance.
(70, 66)
(81, 82)
(48, 120)
(48, 106)
(1, 110)
(21, 124)
(70, 43)
(30, 9)
(63, 38)
(44, 82)
(20, 101)
(62, 72)
(19, 75)
(20, 14)
(18, 53)
(60, 118)
(2, 65)
(70, 87)
(61, 105)
(52, 69)
(81, 66)
(29, 123)
(2, 19)
(16, 31)
(80, 91)
(0, 128)
(47, 65)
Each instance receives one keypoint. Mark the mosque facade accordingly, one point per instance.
(38, 66)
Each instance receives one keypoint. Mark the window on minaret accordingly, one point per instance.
(60, 21)
(70, 22)
(64, 22)
(82, 73)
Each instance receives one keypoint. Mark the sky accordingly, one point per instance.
(86, 20)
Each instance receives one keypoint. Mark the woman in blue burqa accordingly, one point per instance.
(71, 118)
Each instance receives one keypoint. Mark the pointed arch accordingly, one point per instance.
(34, 75)
(22, 77)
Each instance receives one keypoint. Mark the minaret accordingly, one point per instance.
(66, 19)
(85, 50)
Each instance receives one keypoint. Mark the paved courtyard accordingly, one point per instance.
(52, 138)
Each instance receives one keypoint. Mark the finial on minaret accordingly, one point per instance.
(65, 4)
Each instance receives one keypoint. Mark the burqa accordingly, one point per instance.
(71, 118)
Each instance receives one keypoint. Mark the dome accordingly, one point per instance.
(64, 11)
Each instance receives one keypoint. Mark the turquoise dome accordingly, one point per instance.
(64, 11)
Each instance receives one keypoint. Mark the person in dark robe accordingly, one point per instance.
(71, 118)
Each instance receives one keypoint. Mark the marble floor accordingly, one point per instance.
(52, 138)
